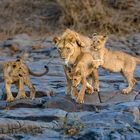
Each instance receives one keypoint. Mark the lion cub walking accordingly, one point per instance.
(115, 61)
(16, 72)
(83, 69)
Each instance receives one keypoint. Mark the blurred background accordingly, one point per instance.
(48, 17)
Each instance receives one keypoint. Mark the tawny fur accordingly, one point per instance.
(81, 71)
(70, 45)
(115, 61)
(17, 72)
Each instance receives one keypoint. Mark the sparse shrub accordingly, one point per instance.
(72, 127)
(42, 17)
(110, 16)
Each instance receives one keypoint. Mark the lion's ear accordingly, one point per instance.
(56, 40)
(80, 42)
(68, 30)
(93, 35)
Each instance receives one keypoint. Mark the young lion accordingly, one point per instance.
(16, 72)
(70, 45)
(81, 71)
(116, 61)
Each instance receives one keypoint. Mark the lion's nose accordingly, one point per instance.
(74, 79)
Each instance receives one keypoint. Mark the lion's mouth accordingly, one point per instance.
(95, 48)
(63, 58)
(75, 84)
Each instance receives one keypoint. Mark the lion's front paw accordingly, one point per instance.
(80, 99)
(96, 66)
(96, 89)
(32, 96)
(22, 96)
(10, 99)
(90, 90)
(126, 91)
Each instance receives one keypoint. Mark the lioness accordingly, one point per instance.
(81, 71)
(70, 45)
(115, 61)
(17, 72)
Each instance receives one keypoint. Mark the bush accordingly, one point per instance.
(41, 17)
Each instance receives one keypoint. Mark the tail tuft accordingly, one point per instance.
(47, 68)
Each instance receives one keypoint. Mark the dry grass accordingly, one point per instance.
(86, 16)
(110, 16)
(22, 16)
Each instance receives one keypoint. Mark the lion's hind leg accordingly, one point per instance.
(95, 77)
(131, 82)
(31, 88)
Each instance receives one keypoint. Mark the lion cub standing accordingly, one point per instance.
(115, 61)
(16, 72)
(83, 69)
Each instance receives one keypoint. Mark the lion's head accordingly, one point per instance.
(66, 49)
(98, 41)
(67, 44)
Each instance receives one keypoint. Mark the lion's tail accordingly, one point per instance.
(39, 74)
(137, 60)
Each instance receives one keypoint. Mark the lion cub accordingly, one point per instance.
(17, 72)
(83, 69)
(115, 61)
